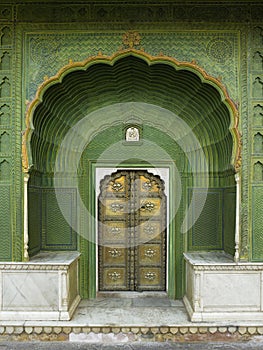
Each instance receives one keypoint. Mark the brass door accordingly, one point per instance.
(132, 232)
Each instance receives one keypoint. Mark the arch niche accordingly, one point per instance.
(77, 123)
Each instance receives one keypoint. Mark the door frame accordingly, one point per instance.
(172, 253)
(164, 176)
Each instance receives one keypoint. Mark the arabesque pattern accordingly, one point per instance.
(48, 53)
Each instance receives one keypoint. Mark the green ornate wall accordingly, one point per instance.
(10, 146)
(38, 38)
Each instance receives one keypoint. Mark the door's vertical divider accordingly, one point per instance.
(100, 235)
(163, 212)
(136, 229)
(132, 209)
(100, 279)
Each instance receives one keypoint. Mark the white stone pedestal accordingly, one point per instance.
(218, 289)
(46, 288)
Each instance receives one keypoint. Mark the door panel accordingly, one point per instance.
(132, 232)
(114, 256)
(115, 278)
(150, 231)
(150, 278)
(113, 232)
(115, 207)
(150, 254)
(150, 207)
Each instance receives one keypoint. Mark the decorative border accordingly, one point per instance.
(140, 11)
(63, 331)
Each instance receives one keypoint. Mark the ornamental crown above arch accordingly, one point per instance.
(130, 40)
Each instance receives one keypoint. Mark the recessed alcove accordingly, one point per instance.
(181, 111)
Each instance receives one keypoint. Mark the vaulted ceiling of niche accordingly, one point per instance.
(131, 79)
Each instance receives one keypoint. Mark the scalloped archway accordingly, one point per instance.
(69, 83)
(78, 94)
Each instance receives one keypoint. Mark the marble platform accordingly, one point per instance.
(40, 301)
(46, 288)
(136, 318)
(219, 289)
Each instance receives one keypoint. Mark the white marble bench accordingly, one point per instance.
(45, 288)
(219, 289)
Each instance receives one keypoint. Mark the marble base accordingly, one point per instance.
(218, 289)
(46, 288)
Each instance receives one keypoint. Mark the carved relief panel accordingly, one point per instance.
(258, 37)
(258, 61)
(258, 115)
(5, 88)
(4, 170)
(6, 36)
(4, 142)
(258, 88)
(258, 171)
(5, 61)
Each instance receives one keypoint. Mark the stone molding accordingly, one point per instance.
(229, 267)
(30, 266)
